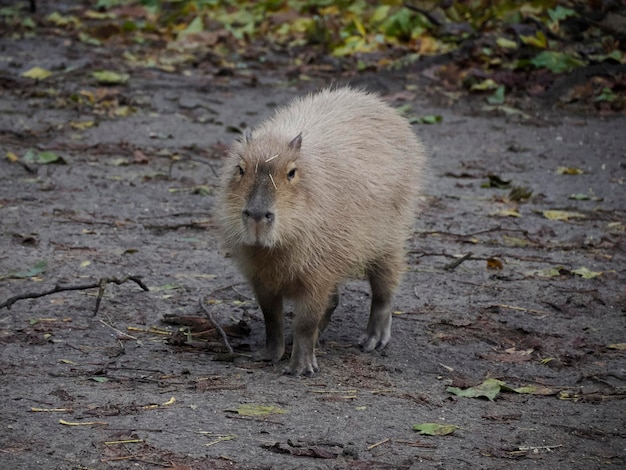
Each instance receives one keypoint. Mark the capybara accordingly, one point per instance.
(322, 191)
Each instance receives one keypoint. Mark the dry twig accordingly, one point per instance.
(454, 264)
(101, 284)
(217, 326)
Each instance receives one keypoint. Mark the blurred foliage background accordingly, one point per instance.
(490, 47)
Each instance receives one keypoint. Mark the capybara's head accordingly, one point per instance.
(263, 194)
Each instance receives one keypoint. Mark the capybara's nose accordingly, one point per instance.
(258, 215)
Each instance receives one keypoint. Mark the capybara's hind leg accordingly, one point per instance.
(384, 276)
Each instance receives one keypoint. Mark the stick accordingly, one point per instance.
(101, 284)
(217, 326)
(454, 264)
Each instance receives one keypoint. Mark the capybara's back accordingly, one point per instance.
(324, 190)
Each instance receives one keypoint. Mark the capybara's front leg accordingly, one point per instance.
(272, 307)
(308, 314)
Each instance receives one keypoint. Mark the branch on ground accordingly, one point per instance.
(101, 285)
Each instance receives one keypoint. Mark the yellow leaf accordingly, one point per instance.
(81, 125)
(538, 40)
(12, 157)
(487, 84)
(514, 241)
(506, 43)
(122, 111)
(251, 409)
(618, 346)
(87, 94)
(85, 263)
(37, 73)
(567, 170)
(562, 215)
(360, 28)
(508, 213)
(329, 11)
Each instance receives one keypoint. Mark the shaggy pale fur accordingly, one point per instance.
(324, 190)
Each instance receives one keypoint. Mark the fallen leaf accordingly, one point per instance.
(108, 77)
(506, 43)
(519, 193)
(562, 215)
(618, 346)
(12, 157)
(494, 263)
(490, 388)
(496, 182)
(586, 273)
(435, 429)
(429, 119)
(548, 272)
(38, 268)
(81, 125)
(508, 213)
(567, 170)
(531, 390)
(497, 97)
(487, 84)
(43, 158)
(557, 62)
(37, 73)
(252, 409)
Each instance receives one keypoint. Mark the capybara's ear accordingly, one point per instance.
(296, 143)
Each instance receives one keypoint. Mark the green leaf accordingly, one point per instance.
(496, 182)
(506, 43)
(519, 193)
(38, 268)
(497, 97)
(252, 409)
(99, 379)
(586, 273)
(428, 119)
(490, 388)
(43, 158)
(108, 77)
(557, 62)
(606, 95)
(196, 26)
(435, 429)
(560, 13)
(37, 73)
(538, 40)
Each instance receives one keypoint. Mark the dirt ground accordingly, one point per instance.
(539, 301)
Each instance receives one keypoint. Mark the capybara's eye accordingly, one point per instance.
(240, 171)
(292, 174)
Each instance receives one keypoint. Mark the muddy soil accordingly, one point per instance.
(538, 301)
